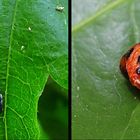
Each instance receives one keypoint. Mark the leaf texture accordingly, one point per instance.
(105, 105)
(33, 37)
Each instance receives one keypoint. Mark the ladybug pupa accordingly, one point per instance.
(130, 65)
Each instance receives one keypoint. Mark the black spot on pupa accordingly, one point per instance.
(138, 70)
(129, 52)
(138, 61)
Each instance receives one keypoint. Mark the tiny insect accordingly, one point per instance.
(1, 102)
(130, 65)
(59, 8)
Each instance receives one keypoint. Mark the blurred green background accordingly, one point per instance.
(53, 111)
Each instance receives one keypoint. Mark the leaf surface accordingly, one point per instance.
(105, 105)
(33, 37)
(81, 11)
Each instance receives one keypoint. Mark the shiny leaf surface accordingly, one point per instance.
(105, 105)
(33, 36)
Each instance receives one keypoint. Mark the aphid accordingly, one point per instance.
(130, 65)
(59, 8)
(1, 102)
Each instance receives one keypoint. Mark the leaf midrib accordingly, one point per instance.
(8, 65)
(98, 13)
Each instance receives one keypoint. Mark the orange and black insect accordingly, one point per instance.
(130, 65)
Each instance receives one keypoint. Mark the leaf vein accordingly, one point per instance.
(99, 13)
(128, 124)
(8, 65)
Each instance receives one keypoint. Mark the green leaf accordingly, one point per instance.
(81, 11)
(105, 105)
(33, 37)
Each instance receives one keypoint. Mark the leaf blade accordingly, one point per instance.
(103, 101)
(33, 34)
